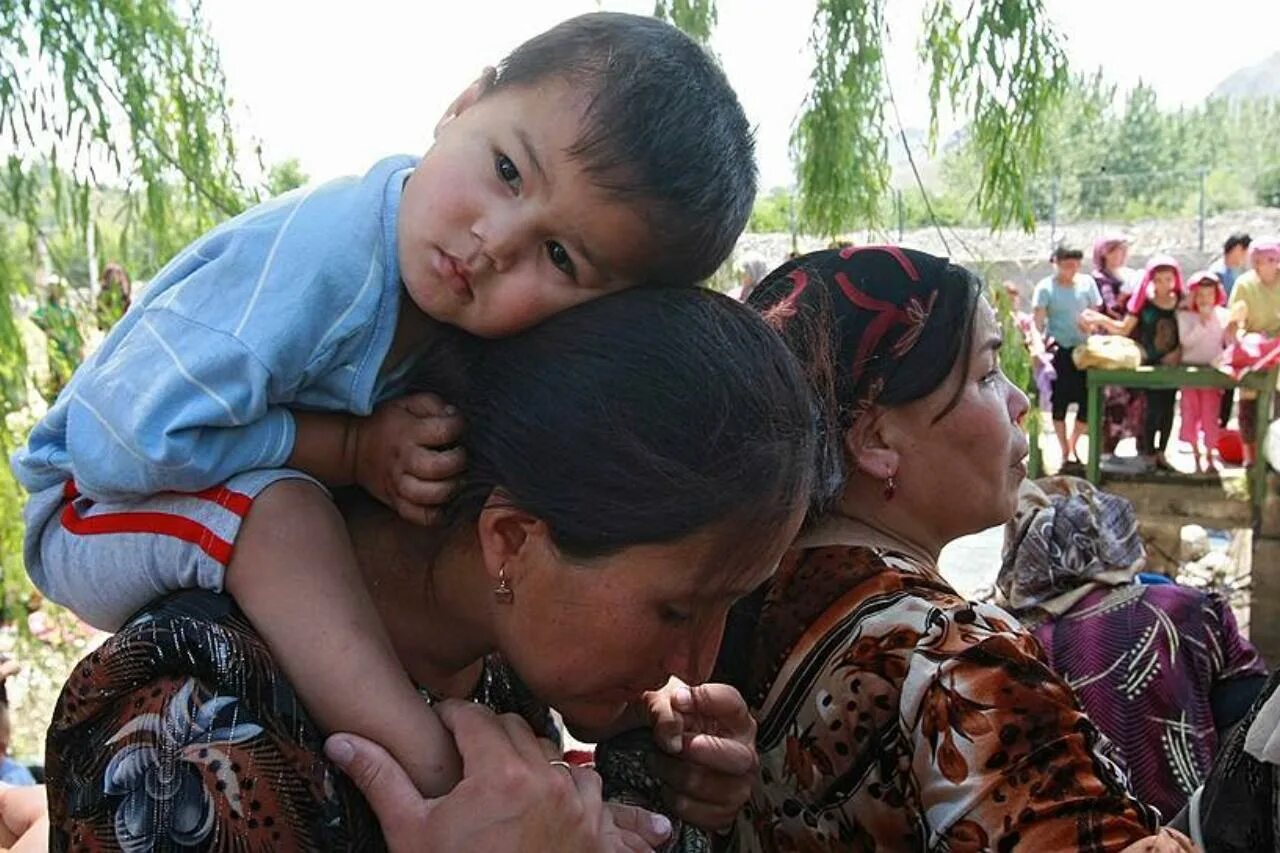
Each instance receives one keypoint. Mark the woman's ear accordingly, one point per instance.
(468, 98)
(868, 445)
(509, 538)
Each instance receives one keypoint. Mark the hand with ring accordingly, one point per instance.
(511, 796)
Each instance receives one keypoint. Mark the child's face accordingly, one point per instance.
(1163, 280)
(1068, 268)
(1235, 257)
(1206, 296)
(499, 228)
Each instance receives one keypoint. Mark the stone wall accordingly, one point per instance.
(1024, 257)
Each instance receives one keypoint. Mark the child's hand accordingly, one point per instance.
(405, 455)
(709, 738)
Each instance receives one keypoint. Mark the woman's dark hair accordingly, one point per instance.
(642, 417)
(662, 130)
(946, 340)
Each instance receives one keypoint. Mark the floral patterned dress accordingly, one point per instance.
(180, 734)
(1146, 661)
(895, 715)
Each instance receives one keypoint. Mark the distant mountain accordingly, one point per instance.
(1256, 81)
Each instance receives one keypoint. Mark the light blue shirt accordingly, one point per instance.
(1227, 274)
(13, 773)
(1063, 305)
(291, 304)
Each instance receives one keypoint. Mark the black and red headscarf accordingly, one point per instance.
(877, 299)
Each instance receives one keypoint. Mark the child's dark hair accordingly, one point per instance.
(1067, 252)
(662, 128)
(1239, 239)
(643, 417)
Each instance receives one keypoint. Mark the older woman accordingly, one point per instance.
(1162, 669)
(893, 714)
(636, 465)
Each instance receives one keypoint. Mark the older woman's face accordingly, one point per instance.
(589, 637)
(963, 471)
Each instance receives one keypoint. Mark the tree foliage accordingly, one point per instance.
(839, 141)
(117, 138)
(124, 92)
(284, 176)
(1001, 66)
(998, 64)
(695, 17)
(1122, 156)
(117, 120)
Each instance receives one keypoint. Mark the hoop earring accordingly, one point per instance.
(503, 593)
(890, 488)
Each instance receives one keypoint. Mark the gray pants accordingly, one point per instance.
(105, 560)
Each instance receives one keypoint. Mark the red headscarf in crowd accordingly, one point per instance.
(1147, 287)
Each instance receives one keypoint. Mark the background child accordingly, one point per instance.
(606, 152)
(1202, 334)
(1152, 321)
(1154, 308)
(1059, 302)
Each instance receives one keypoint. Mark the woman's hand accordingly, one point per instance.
(1165, 841)
(24, 819)
(510, 797)
(709, 736)
(405, 456)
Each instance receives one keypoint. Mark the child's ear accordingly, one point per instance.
(469, 96)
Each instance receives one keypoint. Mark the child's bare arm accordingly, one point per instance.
(294, 574)
(403, 454)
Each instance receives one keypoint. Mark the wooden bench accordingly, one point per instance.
(1182, 377)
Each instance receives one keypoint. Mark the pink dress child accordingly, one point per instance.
(1202, 331)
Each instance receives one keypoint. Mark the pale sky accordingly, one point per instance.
(339, 89)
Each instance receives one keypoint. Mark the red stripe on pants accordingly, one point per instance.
(160, 523)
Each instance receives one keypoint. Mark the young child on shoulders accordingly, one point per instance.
(605, 153)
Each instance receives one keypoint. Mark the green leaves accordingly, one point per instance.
(1121, 156)
(697, 18)
(998, 63)
(125, 93)
(839, 142)
(1002, 67)
(285, 176)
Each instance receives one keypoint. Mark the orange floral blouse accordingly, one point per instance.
(895, 715)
